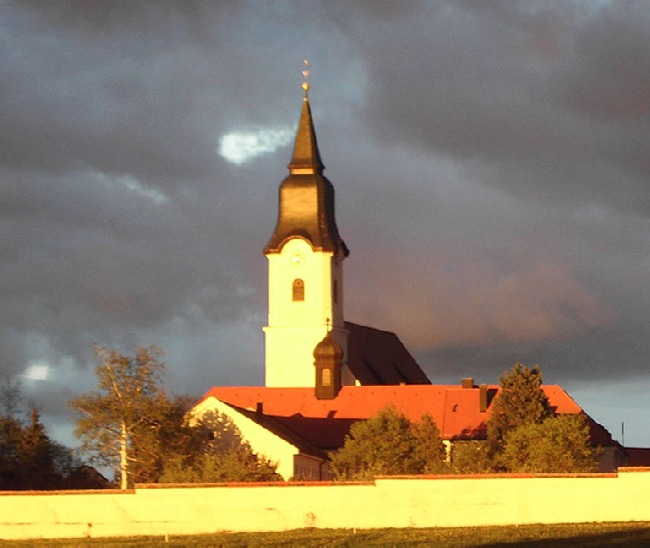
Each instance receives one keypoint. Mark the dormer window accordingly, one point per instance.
(298, 290)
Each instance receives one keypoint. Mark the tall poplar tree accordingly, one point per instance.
(124, 410)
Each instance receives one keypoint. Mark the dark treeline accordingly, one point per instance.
(29, 459)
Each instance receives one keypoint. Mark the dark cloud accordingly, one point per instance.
(165, 20)
(512, 91)
(490, 161)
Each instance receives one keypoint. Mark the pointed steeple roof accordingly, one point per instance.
(306, 197)
(306, 157)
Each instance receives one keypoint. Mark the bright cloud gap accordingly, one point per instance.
(37, 371)
(239, 147)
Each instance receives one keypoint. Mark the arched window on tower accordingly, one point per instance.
(298, 290)
(326, 377)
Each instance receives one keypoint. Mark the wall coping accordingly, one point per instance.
(30, 493)
(329, 483)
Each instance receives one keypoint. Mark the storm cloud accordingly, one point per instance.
(490, 160)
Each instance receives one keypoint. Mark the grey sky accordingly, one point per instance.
(491, 163)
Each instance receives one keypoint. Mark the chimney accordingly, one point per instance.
(467, 382)
(259, 408)
(482, 398)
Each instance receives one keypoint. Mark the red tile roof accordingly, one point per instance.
(324, 423)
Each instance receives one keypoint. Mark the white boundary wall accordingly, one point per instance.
(450, 501)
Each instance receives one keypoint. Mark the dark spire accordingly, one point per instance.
(306, 157)
(306, 200)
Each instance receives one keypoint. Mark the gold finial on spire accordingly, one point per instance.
(305, 73)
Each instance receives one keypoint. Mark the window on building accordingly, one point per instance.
(326, 377)
(298, 290)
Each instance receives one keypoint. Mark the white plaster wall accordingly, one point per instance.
(295, 328)
(298, 260)
(391, 502)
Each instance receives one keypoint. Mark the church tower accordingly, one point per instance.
(305, 256)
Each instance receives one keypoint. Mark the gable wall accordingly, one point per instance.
(262, 441)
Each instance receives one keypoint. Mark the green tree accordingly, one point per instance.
(37, 456)
(113, 421)
(429, 452)
(11, 432)
(170, 437)
(239, 464)
(470, 457)
(558, 444)
(132, 423)
(10, 442)
(29, 459)
(389, 444)
(520, 401)
(213, 450)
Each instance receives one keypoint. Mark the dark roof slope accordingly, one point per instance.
(378, 357)
(325, 433)
(637, 456)
(283, 428)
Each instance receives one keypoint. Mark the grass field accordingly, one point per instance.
(584, 534)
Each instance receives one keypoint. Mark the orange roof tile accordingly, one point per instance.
(455, 410)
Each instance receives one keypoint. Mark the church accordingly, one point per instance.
(323, 373)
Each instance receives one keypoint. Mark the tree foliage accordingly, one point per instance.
(118, 419)
(470, 457)
(558, 444)
(220, 455)
(131, 423)
(525, 435)
(521, 401)
(29, 459)
(206, 451)
(389, 444)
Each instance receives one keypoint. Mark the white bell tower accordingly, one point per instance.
(305, 256)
